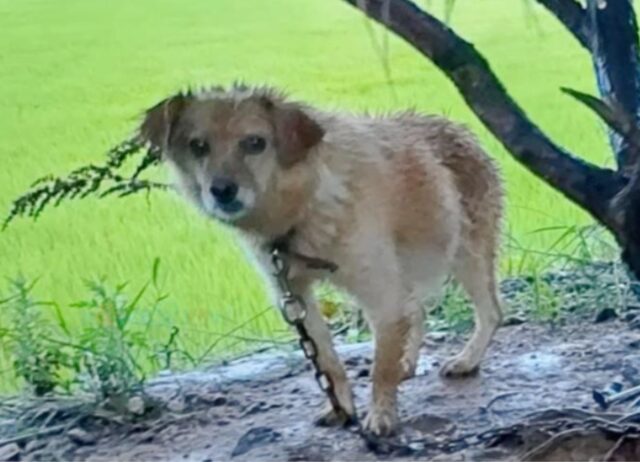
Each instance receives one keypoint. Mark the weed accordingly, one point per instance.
(103, 357)
(35, 360)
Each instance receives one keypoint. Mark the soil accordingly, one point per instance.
(262, 407)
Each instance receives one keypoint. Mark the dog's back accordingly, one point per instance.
(428, 175)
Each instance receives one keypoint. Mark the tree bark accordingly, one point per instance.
(616, 58)
(573, 16)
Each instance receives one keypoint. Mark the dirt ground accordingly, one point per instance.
(261, 407)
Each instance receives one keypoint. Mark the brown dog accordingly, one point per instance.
(398, 203)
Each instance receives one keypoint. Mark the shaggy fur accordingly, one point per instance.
(398, 202)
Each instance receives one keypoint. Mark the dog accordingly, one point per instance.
(398, 202)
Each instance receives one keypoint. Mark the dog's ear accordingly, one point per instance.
(295, 131)
(160, 119)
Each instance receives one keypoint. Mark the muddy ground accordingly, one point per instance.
(261, 407)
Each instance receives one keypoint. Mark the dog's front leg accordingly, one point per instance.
(327, 359)
(390, 339)
(390, 318)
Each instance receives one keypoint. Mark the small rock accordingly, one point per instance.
(429, 424)
(604, 315)
(34, 445)
(176, 405)
(10, 452)
(81, 437)
(147, 437)
(136, 405)
(635, 324)
(255, 409)
(258, 436)
(514, 321)
(437, 336)
(214, 399)
(630, 317)
(353, 361)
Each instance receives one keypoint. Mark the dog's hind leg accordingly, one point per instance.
(476, 273)
(414, 339)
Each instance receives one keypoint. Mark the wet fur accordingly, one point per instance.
(398, 202)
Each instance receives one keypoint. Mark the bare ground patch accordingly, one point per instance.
(261, 407)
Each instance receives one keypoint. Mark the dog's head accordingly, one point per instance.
(239, 154)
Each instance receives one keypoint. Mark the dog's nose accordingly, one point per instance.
(224, 190)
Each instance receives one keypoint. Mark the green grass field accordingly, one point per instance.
(75, 75)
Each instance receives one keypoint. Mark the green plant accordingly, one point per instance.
(109, 356)
(454, 309)
(35, 359)
(106, 348)
(103, 180)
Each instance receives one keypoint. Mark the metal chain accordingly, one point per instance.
(294, 311)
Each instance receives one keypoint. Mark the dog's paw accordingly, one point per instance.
(458, 366)
(329, 417)
(409, 370)
(381, 422)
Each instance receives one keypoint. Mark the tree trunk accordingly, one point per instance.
(616, 58)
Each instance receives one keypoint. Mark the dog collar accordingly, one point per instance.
(282, 244)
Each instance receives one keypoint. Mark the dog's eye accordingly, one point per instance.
(253, 144)
(199, 148)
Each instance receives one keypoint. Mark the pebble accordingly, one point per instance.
(437, 336)
(81, 437)
(10, 452)
(176, 405)
(34, 445)
(135, 405)
(258, 436)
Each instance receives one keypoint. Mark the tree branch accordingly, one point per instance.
(618, 120)
(573, 16)
(585, 184)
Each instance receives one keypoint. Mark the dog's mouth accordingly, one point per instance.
(230, 211)
(232, 207)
